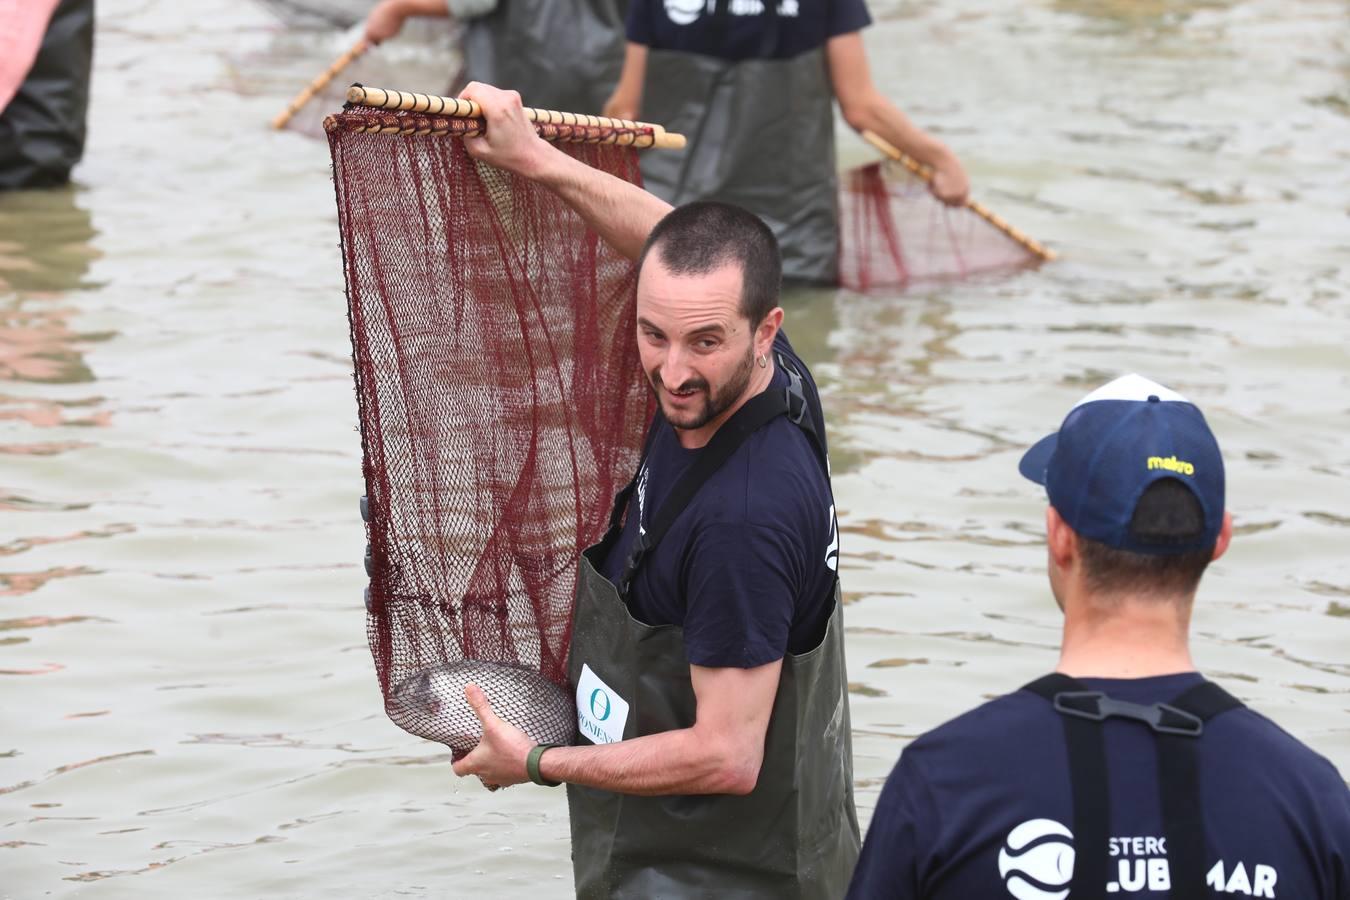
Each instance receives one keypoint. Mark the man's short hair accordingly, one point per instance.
(704, 236)
(1167, 514)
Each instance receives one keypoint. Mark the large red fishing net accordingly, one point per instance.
(501, 407)
(893, 233)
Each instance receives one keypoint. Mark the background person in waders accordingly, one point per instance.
(707, 651)
(1124, 773)
(557, 54)
(752, 85)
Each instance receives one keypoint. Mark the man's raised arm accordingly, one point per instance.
(622, 214)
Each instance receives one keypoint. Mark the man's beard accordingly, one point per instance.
(714, 402)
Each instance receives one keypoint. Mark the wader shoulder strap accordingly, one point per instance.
(1179, 778)
(1088, 784)
(757, 411)
(1177, 725)
(720, 21)
(768, 41)
(621, 498)
(799, 410)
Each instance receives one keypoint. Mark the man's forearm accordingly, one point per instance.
(423, 8)
(626, 101)
(623, 214)
(867, 109)
(887, 120)
(672, 762)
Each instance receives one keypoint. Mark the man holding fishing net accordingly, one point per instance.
(707, 650)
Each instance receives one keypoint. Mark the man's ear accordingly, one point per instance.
(1060, 539)
(768, 330)
(1225, 536)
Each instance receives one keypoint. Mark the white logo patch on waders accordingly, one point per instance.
(601, 712)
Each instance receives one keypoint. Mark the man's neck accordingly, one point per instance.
(693, 439)
(1133, 638)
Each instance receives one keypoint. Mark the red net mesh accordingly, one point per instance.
(893, 231)
(501, 406)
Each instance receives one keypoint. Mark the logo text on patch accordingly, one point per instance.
(1171, 464)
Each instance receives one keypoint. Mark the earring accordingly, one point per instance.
(763, 361)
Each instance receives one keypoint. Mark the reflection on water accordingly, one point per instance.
(46, 247)
(46, 241)
(189, 706)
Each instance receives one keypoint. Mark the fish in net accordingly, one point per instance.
(501, 406)
(893, 232)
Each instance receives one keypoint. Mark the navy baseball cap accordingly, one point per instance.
(1112, 445)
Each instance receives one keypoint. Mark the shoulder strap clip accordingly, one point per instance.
(1161, 717)
(795, 394)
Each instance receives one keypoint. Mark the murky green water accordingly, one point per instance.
(187, 705)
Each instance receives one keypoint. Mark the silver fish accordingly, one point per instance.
(430, 704)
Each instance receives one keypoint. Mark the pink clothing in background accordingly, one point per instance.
(22, 25)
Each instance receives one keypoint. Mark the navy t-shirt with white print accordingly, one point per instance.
(748, 31)
(982, 807)
(748, 569)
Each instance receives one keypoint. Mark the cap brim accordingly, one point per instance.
(1036, 461)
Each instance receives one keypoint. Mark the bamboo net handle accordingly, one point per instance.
(415, 124)
(353, 53)
(984, 212)
(458, 107)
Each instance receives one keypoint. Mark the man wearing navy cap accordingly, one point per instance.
(1124, 772)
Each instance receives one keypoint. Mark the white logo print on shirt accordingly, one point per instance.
(642, 500)
(1036, 863)
(832, 548)
(686, 12)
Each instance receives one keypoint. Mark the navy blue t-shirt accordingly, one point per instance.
(749, 31)
(975, 805)
(748, 569)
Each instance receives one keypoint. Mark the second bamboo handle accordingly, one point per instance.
(353, 53)
(926, 174)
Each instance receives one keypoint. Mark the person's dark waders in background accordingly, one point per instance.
(761, 135)
(557, 54)
(42, 129)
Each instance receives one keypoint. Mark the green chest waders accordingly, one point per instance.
(761, 135)
(559, 54)
(1178, 726)
(796, 834)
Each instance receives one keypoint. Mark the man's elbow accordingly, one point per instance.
(736, 773)
(859, 113)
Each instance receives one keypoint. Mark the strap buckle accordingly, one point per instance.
(1161, 717)
(796, 397)
(641, 544)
